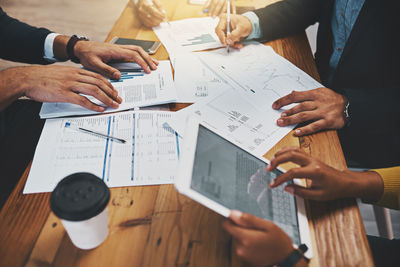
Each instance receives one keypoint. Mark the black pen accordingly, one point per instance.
(83, 130)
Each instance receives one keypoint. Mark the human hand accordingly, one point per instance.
(240, 28)
(327, 183)
(64, 84)
(322, 107)
(217, 7)
(95, 55)
(257, 241)
(151, 12)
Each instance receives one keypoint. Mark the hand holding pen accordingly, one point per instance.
(239, 28)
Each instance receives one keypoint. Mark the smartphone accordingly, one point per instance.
(148, 46)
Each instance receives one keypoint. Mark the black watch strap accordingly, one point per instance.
(71, 45)
(294, 257)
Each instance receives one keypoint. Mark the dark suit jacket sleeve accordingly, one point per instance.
(287, 17)
(20, 41)
(372, 108)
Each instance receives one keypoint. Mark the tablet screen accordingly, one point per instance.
(236, 179)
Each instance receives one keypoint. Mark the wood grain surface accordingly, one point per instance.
(156, 226)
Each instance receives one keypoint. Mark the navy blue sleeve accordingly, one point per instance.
(20, 41)
(287, 17)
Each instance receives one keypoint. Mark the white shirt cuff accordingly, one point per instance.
(255, 23)
(48, 47)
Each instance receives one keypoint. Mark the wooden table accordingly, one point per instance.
(155, 226)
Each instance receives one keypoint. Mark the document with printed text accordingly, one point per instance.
(148, 156)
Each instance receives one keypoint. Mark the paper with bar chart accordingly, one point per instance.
(137, 89)
(188, 34)
(148, 156)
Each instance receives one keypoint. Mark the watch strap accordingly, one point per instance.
(294, 257)
(71, 45)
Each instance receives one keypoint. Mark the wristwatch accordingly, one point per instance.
(294, 257)
(71, 45)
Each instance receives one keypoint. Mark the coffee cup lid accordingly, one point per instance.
(79, 196)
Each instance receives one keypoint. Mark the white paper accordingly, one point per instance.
(188, 34)
(257, 77)
(135, 89)
(259, 72)
(149, 155)
(253, 129)
(194, 81)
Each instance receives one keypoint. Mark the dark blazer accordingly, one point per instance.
(368, 72)
(21, 42)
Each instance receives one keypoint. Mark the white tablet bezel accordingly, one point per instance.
(185, 170)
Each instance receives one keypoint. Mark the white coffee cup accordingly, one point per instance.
(80, 201)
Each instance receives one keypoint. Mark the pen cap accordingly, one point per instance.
(79, 197)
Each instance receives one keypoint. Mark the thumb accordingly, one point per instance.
(248, 220)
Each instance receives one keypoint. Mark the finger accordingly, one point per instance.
(288, 148)
(96, 64)
(154, 13)
(234, 36)
(96, 92)
(303, 192)
(83, 102)
(303, 116)
(220, 30)
(148, 21)
(147, 58)
(304, 106)
(133, 53)
(249, 221)
(100, 84)
(239, 233)
(311, 128)
(99, 77)
(303, 172)
(292, 155)
(233, 7)
(158, 5)
(293, 97)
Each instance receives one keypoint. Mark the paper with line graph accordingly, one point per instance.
(258, 71)
(148, 156)
(137, 89)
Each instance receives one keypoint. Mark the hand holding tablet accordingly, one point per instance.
(222, 176)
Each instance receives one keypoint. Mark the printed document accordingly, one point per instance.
(137, 89)
(148, 156)
(257, 77)
(192, 34)
(259, 72)
(194, 81)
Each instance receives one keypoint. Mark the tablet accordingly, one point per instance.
(222, 176)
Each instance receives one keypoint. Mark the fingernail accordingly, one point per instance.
(280, 121)
(229, 41)
(115, 75)
(274, 105)
(271, 184)
(297, 132)
(236, 214)
(119, 99)
(115, 104)
(101, 109)
(283, 115)
(290, 190)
